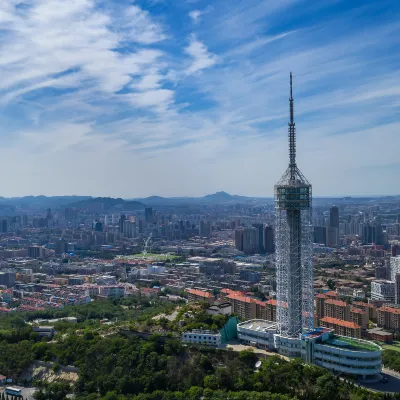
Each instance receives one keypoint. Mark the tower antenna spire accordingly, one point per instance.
(292, 135)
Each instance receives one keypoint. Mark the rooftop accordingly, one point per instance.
(352, 344)
(392, 310)
(336, 302)
(358, 311)
(200, 293)
(340, 322)
(317, 332)
(258, 324)
(331, 294)
(361, 304)
(379, 331)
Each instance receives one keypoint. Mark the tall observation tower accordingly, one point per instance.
(293, 239)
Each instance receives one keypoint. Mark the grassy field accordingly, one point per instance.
(151, 256)
(394, 346)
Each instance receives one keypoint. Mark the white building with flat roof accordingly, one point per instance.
(205, 337)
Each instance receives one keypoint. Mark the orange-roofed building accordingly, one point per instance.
(320, 307)
(244, 307)
(331, 294)
(336, 309)
(388, 318)
(343, 328)
(226, 292)
(196, 295)
(370, 308)
(249, 308)
(360, 317)
(271, 310)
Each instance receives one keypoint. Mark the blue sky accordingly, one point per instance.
(174, 97)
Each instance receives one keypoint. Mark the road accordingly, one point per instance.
(391, 386)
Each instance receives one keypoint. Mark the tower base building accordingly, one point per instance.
(339, 354)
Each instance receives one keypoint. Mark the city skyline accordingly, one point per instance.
(157, 98)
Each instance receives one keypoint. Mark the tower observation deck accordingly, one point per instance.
(293, 239)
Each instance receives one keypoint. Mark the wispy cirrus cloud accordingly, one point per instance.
(201, 58)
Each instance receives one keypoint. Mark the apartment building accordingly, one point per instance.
(196, 295)
(336, 309)
(320, 307)
(370, 308)
(388, 318)
(342, 328)
(244, 307)
(249, 308)
(270, 307)
(359, 317)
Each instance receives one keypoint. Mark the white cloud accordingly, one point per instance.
(53, 36)
(150, 80)
(201, 57)
(102, 97)
(195, 15)
(141, 27)
(160, 98)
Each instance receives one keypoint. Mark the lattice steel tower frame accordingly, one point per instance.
(293, 240)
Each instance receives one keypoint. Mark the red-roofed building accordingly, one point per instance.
(360, 317)
(243, 307)
(370, 308)
(320, 307)
(389, 318)
(270, 306)
(344, 328)
(196, 295)
(150, 292)
(336, 309)
(331, 294)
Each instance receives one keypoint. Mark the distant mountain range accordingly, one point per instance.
(109, 204)
(215, 198)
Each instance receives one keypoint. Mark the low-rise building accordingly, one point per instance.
(112, 291)
(380, 335)
(203, 337)
(44, 331)
(224, 308)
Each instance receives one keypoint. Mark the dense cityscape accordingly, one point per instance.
(283, 278)
(199, 200)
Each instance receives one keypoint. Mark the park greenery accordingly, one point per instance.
(122, 366)
(391, 359)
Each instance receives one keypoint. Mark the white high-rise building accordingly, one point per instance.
(394, 267)
(383, 290)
